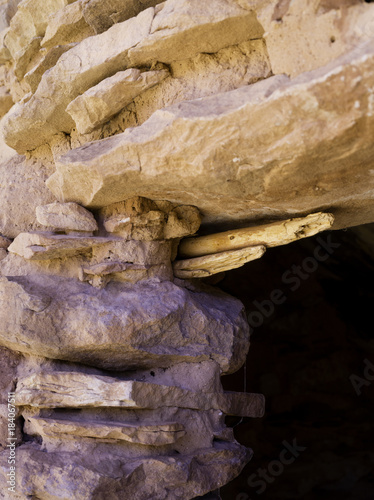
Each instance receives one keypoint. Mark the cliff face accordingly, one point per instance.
(125, 125)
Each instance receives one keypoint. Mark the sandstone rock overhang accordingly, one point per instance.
(277, 146)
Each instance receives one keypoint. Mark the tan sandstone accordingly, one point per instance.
(66, 216)
(168, 35)
(270, 145)
(101, 102)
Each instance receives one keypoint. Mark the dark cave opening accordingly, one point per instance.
(312, 356)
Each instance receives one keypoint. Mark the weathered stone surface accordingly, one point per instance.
(148, 324)
(9, 363)
(4, 431)
(270, 235)
(30, 21)
(102, 15)
(168, 36)
(95, 58)
(182, 221)
(204, 376)
(67, 26)
(46, 246)
(49, 58)
(200, 76)
(114, 260)
(304, 35)
(147, 227)
(281, 144)
(143, 219)
(4, 52)
(151, 435)
(6, 153)
(8, 372)
(4, 242)
(8, 9)
(22, 189)
(182, 29)
(201, 428)
(78, 390)
(6, 101)
(99, 275)
(3, 20)
(71, 475)
(66, 267)
(66, 216)
(135, 252)
(25, 56)
(202, 267)
(101, 102)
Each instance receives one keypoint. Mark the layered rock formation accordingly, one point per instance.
(157, 117)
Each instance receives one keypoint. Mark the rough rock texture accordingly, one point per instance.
(67, 26)
(43, 474)
(6, 101)
(101, 102)
(22, 189)
(47, 246)
(302, 36)
(8, 378)
(78, 390)
(166, 36)
(47, 59)
(30, 21)
(153, 435)
(142, 219)
(102, 15)
(139, 120)
(27, 28)
(302, 155)
(147, 324)
(66, 216)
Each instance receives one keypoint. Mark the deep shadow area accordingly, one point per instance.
(312, 355)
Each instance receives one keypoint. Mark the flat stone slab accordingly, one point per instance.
(46, 246)
(151, 435)
(68, 25)
(73, 475)
(49, 57)
(144, 325)
(279, 143)
(79, 390)
(101, 102)
(66, 216)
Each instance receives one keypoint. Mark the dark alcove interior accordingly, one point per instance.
(312, 356)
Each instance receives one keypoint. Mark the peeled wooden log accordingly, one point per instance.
(269, 235)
